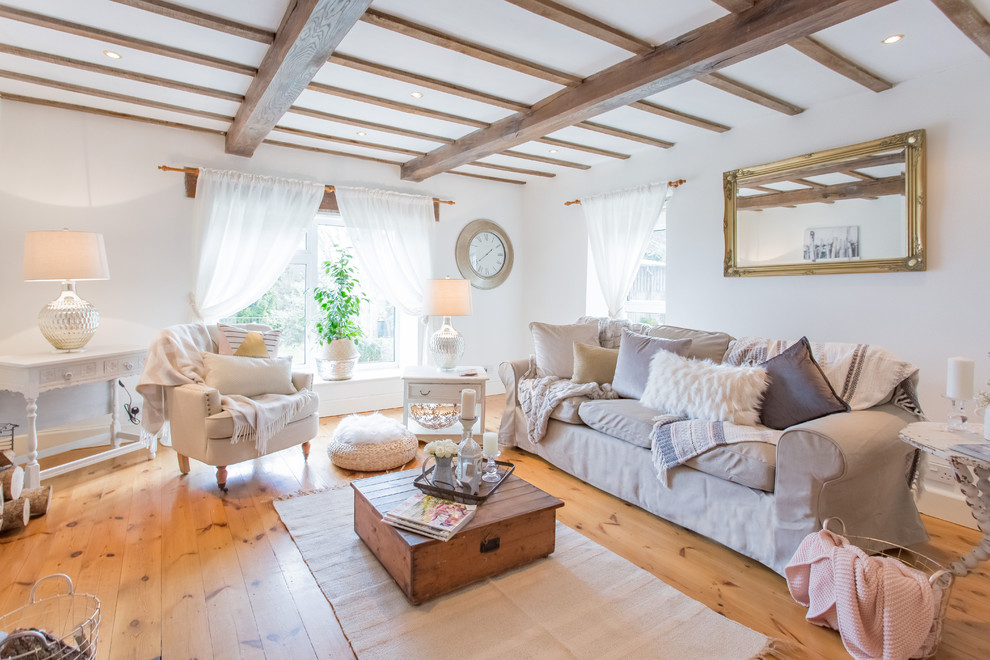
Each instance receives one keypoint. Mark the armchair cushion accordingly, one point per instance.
(248, 376)
(230, 337)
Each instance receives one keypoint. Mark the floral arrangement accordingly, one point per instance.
(441, 448)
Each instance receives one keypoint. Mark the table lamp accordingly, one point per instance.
(68, 322)
(447, 298)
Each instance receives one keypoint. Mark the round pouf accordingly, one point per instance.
(371, 443)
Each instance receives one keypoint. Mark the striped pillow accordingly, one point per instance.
(230, 338)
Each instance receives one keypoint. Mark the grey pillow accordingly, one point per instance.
(554, 346)
(633, 365)
(798, 391)
(705, 345)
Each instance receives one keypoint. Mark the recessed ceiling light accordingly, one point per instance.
(361, 133)
(417, 95)
(553, 151)
(893, 39)
(113, 55)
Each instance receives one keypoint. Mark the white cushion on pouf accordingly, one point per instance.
(371, 443)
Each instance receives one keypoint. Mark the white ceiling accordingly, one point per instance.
(931, 44)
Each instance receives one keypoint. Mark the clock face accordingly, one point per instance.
(487, 254)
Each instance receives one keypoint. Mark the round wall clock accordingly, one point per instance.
(484, 254)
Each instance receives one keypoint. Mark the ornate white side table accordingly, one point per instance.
(972, 473)
(30, 375)
(425, 384)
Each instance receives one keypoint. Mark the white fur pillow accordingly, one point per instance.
(704, 390)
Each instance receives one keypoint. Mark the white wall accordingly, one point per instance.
(85, 172)
(923, 317)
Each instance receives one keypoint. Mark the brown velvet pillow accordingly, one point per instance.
(798, 391)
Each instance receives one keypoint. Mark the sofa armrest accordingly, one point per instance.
(189, 406)
(511, 373)
(302, 380)
(848, 465)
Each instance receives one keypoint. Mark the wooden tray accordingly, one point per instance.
(462, 495)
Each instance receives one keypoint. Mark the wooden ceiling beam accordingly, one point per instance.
(968, 19)
(308, 35)
(840, 64)
(426, 81)
(564, 144)
(735, 6)
(68, 27)
(583, 23)
(214, 131)
(894, 157)
(113, 96)
(721, 43)
(120, 73)
(893, 185)
(624, 134)
(543, 159)
(370, 125)
(677, 115)
(202, 19)
(477, 51)
(744, 91)
(398, 106)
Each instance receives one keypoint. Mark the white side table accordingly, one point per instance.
(431, 385)
(973, 475)
(30, 375)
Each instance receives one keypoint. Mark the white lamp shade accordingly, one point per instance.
(64, 255)
(447, 297)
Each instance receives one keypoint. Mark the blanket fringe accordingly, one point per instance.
(163, 436)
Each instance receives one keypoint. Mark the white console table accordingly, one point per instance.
(431, 385)
(30, 375)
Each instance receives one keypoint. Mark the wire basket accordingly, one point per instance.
(61, 627)
(939, 577)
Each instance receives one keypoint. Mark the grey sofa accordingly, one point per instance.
(755, 498)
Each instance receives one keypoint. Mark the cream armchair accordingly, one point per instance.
(201, 430)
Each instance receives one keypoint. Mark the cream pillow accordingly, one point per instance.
(594, 364)
(703, 390)
(554, 346)
(248, 376)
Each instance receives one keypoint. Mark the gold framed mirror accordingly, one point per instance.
(855, 209)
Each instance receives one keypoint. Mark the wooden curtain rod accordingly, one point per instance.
(672, 184)
(329, 189)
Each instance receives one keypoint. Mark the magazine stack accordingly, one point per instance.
(430, 516)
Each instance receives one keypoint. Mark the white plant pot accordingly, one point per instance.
(337, 359)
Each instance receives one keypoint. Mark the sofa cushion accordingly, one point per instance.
(594, 364)
(703, 390)
(567, 410)
(704, 345)
(554, 346)
(798, 391)
(751, 464)
(230, 337)
(625, 419)
(633, 364)
(221, 426)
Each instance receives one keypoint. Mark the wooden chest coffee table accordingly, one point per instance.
(513, 527)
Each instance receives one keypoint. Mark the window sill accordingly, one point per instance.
(361, 375)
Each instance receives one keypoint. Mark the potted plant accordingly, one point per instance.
(338, 329)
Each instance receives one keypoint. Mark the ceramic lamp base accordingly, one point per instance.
(446, 346)
(68, 322)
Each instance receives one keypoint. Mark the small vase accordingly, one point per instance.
(443, 473)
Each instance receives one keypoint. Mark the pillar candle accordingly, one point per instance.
(467, 403)
(490, 443)
(959, 382)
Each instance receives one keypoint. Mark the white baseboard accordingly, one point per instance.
(946, 502)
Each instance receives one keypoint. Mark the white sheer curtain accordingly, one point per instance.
(620, 224)
(391, 236)
(248, 227)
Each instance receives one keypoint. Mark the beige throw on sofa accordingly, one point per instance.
(175, 358)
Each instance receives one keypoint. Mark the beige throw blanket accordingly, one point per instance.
(175, 358)
(539, 396)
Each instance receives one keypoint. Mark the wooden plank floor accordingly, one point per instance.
(183, 572)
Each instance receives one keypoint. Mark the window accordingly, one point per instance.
(289, 304)
(647, 300)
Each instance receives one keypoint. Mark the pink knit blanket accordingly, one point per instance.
(881, 607)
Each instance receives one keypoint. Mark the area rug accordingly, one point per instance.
(582, 601)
